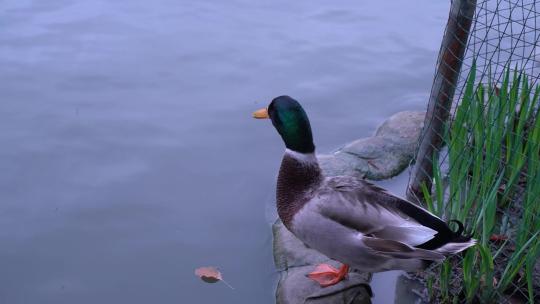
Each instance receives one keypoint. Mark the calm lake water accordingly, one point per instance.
(128, 155)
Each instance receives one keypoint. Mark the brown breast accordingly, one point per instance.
(295, 181)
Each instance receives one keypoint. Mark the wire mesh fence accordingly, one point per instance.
(479, 155)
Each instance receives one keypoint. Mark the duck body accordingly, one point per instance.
(348, 219)
(357, 223)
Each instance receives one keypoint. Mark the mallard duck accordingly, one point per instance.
(348, 219)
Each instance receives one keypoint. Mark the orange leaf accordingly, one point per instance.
(210, 275)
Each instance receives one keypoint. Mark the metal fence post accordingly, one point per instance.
(449, 63)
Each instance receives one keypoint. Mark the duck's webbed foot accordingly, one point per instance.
(326, 275)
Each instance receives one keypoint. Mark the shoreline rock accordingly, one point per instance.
(383, 155)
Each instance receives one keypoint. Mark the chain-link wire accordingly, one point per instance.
(491, 40)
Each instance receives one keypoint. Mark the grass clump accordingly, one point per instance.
(493, 187)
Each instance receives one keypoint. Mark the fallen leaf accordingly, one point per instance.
(210, 275)
(498, 237)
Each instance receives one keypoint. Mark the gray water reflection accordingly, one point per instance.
(128, 156)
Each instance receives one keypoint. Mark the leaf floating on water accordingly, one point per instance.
(210, 275)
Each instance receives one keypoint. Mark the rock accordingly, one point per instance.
(408, 290)
(385, 158)
(381, 156)
(295, 288)
(343, 164)
(404, 127)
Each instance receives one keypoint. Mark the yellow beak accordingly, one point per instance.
(261, 114)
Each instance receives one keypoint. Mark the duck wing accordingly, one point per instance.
(377, 214)
(398, 250)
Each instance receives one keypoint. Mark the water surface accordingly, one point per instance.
(128, 155)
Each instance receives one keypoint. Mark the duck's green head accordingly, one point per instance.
(291, 122)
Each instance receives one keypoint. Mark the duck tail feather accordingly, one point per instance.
(455, 247)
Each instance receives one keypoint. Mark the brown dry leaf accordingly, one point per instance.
(210, 275)
(498, 237)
